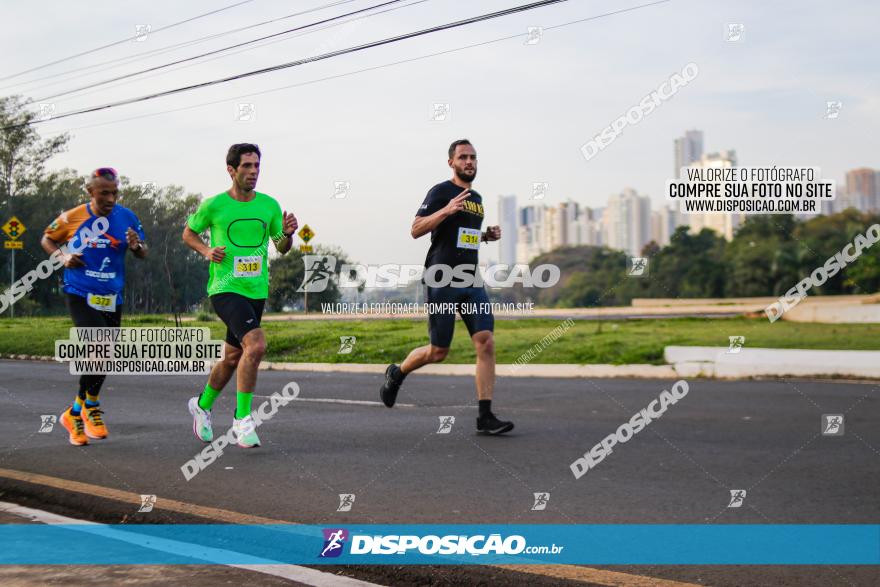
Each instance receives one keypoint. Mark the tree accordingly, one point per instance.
(22, 153)
(22, 167)
(824, 236)
(286, 274)
(691, 266)
(763, 258)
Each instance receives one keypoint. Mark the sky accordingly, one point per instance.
(527, 108)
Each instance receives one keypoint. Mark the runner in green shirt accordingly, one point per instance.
(241, 222)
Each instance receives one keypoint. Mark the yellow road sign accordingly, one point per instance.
(305, 249)
(13, 244)
(306, 233)
(13, 228)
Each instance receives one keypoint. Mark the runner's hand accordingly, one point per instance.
(289, 223)
(133, 239)
(456, 204)
(216, 254)
(73, 260)
(493, 233)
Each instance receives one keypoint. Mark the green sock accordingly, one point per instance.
(206, 400)
(243, 404)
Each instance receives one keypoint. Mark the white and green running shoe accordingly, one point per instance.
(201, 421)
(245, 431)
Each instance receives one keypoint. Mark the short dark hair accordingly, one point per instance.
(233, 156)
(457, 143)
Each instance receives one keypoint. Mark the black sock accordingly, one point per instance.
(397, 375)
(485, 407)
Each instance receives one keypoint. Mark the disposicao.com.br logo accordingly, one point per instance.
(431, 544)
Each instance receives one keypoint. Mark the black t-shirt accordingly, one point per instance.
(456, 240)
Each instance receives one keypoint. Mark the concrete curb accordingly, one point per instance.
(567, 371)
(684, 363)
(562, 370)
(720, 363)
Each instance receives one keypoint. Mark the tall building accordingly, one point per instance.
(862, 190)
(507, 220)
(627, 221)
(724, 223)
(530, 233)
(549, 230)
(543, 228)
(688, 149)
(566, 223)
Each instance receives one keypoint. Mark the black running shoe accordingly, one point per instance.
(389, 389)
(489, 424)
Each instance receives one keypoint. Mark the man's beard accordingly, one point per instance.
(246, 187)
(463, 175)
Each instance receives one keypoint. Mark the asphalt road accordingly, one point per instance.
(761, 436)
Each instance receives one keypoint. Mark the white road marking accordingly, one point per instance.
(293, 572)
(354, 402)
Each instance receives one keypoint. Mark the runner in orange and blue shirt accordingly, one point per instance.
(97, 233)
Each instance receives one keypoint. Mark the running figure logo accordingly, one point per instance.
(47, 111)
(346, 345)
(534, 35)
(832, 424)
(540, 190)
(638, 266)
(736, 344)
(346, 500)
(541, 500)
(735, 32)
(141, 32)
(334, 538)
(737, 496)
(439, 111)
(832, 109)
(446, 423)
(47, 422)
(318, 271)
(341, 189)
(147, 503)
(245, 112)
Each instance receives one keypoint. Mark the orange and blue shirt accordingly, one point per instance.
(104, 256)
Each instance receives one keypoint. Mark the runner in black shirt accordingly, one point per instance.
(453, 213)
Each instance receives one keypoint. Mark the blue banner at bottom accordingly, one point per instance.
(425, 544)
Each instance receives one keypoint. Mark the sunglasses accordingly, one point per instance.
(104, 172)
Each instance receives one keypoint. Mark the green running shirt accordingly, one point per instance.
(245, 229)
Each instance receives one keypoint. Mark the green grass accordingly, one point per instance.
(586, 342)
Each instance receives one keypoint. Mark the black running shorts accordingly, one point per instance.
(240, 314)
(472, 303)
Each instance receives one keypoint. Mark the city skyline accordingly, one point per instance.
(377, 131)
(628, 221)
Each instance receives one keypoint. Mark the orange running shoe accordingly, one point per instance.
(94, 422)
(74, 425)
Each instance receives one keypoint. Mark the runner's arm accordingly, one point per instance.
(289, 224)
(195, 242)
(50, 246)
(422, 225)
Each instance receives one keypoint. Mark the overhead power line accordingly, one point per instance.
(263, 44)
(168, 48)
(221, 50)
(357, 71)
(279, 67)
(126, 40)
